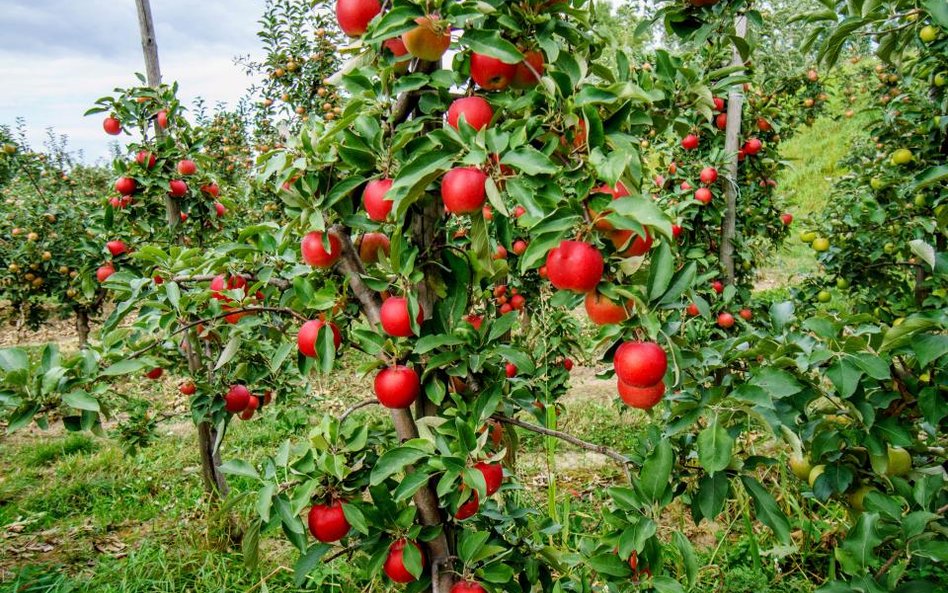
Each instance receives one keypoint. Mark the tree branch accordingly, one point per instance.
(621, 459)
(362, 404)
(898, 552)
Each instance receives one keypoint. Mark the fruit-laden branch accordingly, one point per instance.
(425, 498)
(621, 459)
(187, 326)
(277, 282)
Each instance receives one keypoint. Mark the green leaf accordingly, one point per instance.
(308, 562)
(776, 382)
(681, 282)
(430, 342)
(394, 461)
(665, 584)
(470, 544)
(229, 351)
(653, 479)
(845, 376)
(714, 448)
(414, 177)
(711, 497)
(410, 484)
(939, 11)
(265, 501)
(411, 557)
(660, 272)
(490, 43)
(174, 294)
(643, 210)
(688, 557)
(766, 509)
(529, 160)
(609, 564)
(930, 348)
(355, 518)
(124, 367)
(81, 400)
(860, 543)
(238, 467)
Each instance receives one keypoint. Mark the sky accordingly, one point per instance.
(58, 56)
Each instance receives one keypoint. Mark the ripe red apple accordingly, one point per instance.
(637, 246)
(162, 119)
(518, 301)
(327, 522)
(394, 566)
(308, 334)
(490, 73)
(718, 104)
(476, 321)
(619, 191)
(689, 142)
(125, 186)
(640, 364)
(763, 125)
(642, 398)
(746, 314)
(354, 15)
(476, 111)
(568, 364)
(786, 218)
(467, 587)
(211, 189)
(510, 369)
(186, 167)
(529, 70)
(463, 190)
(519, 246)
(500, 252)
(112, 126)
(395, 318)
(397, 48)
(602, 310)
(146, 159)
(753, 146)
(155, 373)
(116, 248)
(676, 231)
(575, 266)
(506, 308)
(187, 388)
(177, 188)
(429, 40)
(519, 211)
(373, 199)
(708, 175)
(685, 186)
(371, 245)
(183, 216)
(315, 254)
(253, 403)
(220, 283)
(725, 320)
(703, 195)
(717, 286)
(720, 122)
(493, 475)
(693, 310)
(237, 399)
(397, 387)
(468, 508)
(104, 271)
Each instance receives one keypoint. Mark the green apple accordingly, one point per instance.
(807, 236)
(900, 462)
(815, 473)
(928, 34)
(920, 201)
(902, 156)
(824, 296)
(842, 283)
(821, 244)
(858, 496)
(889, 248)
(940, 79)
(800, 466)
(876, 183)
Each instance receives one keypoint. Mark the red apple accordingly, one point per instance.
(104, 271)
(693, 310)
(187, 388)
(309, 333)
(528, 71)
(177, 188)
(637, 246)
(155, 373)
(186, 167)
(746, 314)
(676, 231)
(720, 121)
(116, 247)
(237, 399)
(510, 369)
(468, 508)
(476, 111)
(371, 245)
(518, 301)
(708, 175)
(763, 125)
(568, 364)
(315, 254)
(685, 186)
(146, 159)
(395, 318)
(640, 364)
(519, 246)
(718, 286)
(603, 311)
(690, 142)
(467, 587)
(490, 73)
(373, 199)
(394, 565)
(397, 387)
(575, 266)
(327, 522)
(718, 104)
(786, 218)
(642, 398)
(429, 40)
(519, 211)
(211, 189)
(463, 190)
(162, 119)
(112, 126)
(752, 146)
(500, 252)
(354, 15)
(703, 195)
(725, 320)
(220, 283)
(493, 475)
(125, 186)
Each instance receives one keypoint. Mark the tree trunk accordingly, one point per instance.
(735, 105)
(214, 481)
(82, 327)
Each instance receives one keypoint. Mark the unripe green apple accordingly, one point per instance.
(815, 473)
(800, 466)
(858, 496)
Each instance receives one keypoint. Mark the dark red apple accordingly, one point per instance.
(397, 387)
(315, 254)
(327, 522)
(125, 186)
(308, 334)
(468, 508)
(717, 286)
(640, 364)
(690, 142)
(490, 73)
(155, 373)
(753, 146)
(394, 565)
(396, 319)
(187, 388)
(493, 475)
(720, 122)
(116, 248)
(510, 369)
(718, 104)
(528, 71)
(237, 399)
(177, 188)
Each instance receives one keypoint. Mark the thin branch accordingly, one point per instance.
(353, 408)
(898, 552)
(621, 459)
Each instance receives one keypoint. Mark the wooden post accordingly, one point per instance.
(732, 138)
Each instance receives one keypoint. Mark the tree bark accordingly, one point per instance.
(735, 105)
(82, 327)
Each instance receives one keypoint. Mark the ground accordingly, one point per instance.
(79, 514)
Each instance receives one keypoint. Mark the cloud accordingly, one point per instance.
(57, 57)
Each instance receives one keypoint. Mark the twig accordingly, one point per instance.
(351, 409)
(624, 461)
(895, 555)
(268, 577)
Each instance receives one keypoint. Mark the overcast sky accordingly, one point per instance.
(58, 56)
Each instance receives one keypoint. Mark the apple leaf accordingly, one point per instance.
(767, 510)
(529, 160)
(714, 448)
(490, 43)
